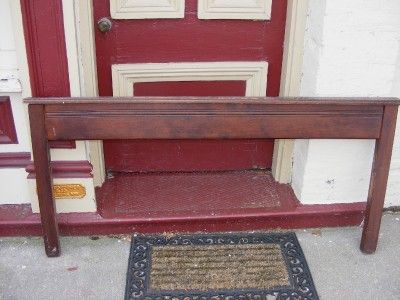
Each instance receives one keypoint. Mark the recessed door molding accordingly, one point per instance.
(124, 76)
(235, 9)
(147, 9)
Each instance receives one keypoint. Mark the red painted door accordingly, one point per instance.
(183, 55)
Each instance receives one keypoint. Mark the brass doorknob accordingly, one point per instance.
(104, 24)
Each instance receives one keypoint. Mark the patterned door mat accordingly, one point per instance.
(218, 266)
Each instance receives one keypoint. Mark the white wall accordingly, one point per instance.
(14, 185)
(8, 55)
(352, 48)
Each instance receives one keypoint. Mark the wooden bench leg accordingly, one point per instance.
(378, 183)
(41, 156)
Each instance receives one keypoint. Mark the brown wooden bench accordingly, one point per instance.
(212, 118)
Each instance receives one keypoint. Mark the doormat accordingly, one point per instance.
(218, 266)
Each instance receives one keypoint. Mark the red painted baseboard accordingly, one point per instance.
(15, 159)
(65, 169)
(18, 220)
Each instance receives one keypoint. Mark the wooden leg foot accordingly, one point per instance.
(367, 248)
(53, 252)
(378, 183)
(52, 248)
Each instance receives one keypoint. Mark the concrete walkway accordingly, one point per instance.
(91, 268)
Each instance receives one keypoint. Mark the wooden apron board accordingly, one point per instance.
(143, 57)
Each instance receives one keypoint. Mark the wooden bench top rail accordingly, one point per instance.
(205, 118)
(241, 100)
(212, 118)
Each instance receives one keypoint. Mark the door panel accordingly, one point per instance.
(187, 155)
(189, 39)
(186, 88)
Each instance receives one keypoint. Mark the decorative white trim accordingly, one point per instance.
(124, 76)
(71, 42)
(296, 18)
(234, 9)
(90, 85)
(292, 64)
(76, 79)
(87, 48)
(147, 9)
(282, 160)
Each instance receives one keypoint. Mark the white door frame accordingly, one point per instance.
(290, 79)
(292, 64)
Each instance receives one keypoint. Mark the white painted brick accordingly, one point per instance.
(14, 186)
(352, 48)
(8, 58)
(13, 181)
(6, 33)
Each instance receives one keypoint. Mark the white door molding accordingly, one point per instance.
(90, 86)
(88, 76)
(124, 76)
(147, 9)
(234, 9)
(290, 81)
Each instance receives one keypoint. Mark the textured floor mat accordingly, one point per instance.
(218, 266)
